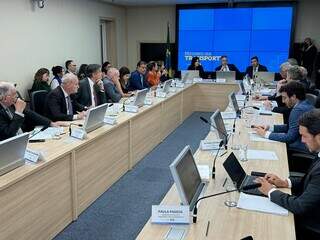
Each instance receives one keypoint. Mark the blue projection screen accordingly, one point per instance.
(239, 33)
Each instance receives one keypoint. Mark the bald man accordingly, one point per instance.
(61, 104)
(112, 86)
(14, 117)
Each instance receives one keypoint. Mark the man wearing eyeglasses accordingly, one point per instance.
(14, 117)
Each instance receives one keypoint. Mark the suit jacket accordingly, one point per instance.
(261, 68)
(232, 67)
(112, 93)
(290, 133)
(84, 93)
(56, 108)
(135, 81)
(9, 127)
(305, 204)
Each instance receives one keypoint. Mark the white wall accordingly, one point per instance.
(148, 24)
(32, 38)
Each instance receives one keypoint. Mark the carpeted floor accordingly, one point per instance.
(122, 211)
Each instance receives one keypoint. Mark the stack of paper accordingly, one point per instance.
(260, 204)
(261, 155)
(204, 172)
(49, 133)
(241, 97)
(257, 138)
(228, 115)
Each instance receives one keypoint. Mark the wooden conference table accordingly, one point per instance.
(232, 223)
(37, 201)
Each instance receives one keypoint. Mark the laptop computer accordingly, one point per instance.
(191, 74)
(234, 103)
(166, 86)
(187, 177)
(140, 97)
(239, 176)
(95, 118)
(264, 77)
(12, 152)
(228, 76)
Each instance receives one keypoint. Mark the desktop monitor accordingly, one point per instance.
(95, 118)
(233, 101)
(12, 152)
(228, 76)
(217, 121)
(140, 97)
(186, 177)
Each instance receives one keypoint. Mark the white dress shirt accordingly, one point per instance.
(75, 116)
(91, 83)
(225, 68)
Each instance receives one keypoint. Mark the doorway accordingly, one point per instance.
(108, 41)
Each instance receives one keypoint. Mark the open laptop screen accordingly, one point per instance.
(234, 169)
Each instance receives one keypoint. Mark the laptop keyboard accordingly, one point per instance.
(248, 181)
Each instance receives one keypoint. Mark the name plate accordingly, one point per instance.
(161, 94)
(131, 108)
(209, 145)
(33, 155)
(170, 214)
(220, 80)
(78, 133)
(111, 120)
(148, 101)
(179, 85)
(197, 80)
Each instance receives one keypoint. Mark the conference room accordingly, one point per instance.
(168, 119)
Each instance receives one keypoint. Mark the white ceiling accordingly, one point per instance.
(172, 2)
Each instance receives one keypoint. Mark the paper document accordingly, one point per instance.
(260, 204)
(204, 172)
(49, 133)
(228, 115)
(241, 97)
(261, 155)
(256, 138)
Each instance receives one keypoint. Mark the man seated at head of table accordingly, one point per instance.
(294, 96)
(255, 67)
(226, 67)
(14, 117)
(305, 199)
(61, 103)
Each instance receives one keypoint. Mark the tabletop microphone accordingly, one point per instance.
(73, 124)
(248, 187)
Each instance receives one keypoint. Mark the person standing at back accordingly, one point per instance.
(91, 92)
(309, 54)
(138, 79)
(71, 67)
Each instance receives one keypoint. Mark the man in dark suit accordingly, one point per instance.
(14, 117)
(71, 67)
(309, 54)
(226, 67)
(305, 201)
(61, 104)
(255, 67)
(91, 91)
(294, 96)
(138, 79)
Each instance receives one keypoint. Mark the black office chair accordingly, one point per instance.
(311, 98)
(299, 162)
(37, 101)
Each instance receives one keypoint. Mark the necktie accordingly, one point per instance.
(69, 105)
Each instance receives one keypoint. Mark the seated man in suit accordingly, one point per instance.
(138, 79)
(71, 67)
(112, 85)
(293, 95)
(61, 103)
(14, 117)
(305, 199)
(91, 92)
(226, 67)
(255, 67)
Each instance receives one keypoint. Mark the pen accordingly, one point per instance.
(224, 183)
(208, 225)
(223, 153)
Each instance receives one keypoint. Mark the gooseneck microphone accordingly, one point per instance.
(248, 187)
(73, 124)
